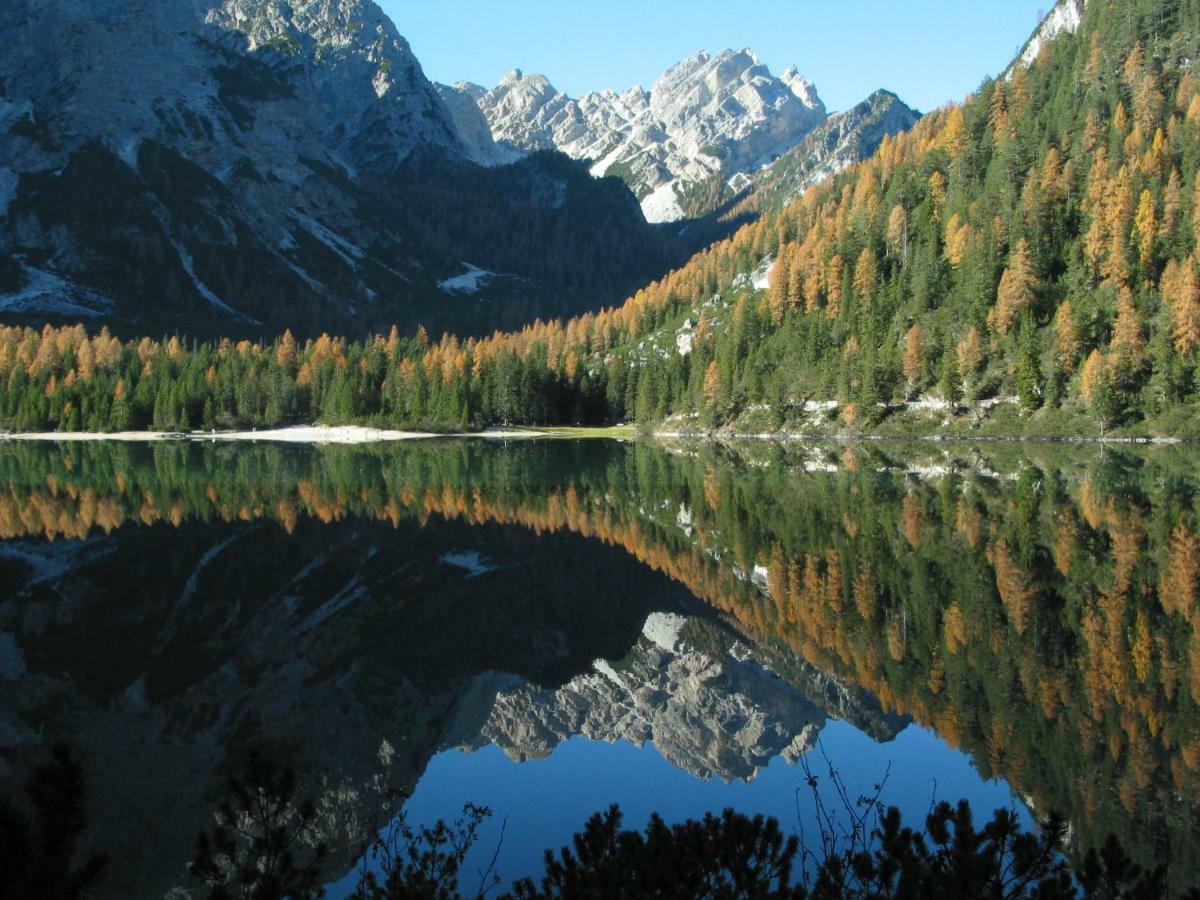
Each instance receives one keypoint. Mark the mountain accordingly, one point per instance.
(709, 116)
(844, 139)
(1025, 262)
(245, 165)
(699, 138)
(714, 711)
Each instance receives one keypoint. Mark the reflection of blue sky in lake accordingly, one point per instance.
(547, 800)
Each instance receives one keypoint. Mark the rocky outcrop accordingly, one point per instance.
(471, 124)
(364, 91)
(1066, 17)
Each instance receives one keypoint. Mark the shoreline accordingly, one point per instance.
(297, 434)
(361, 434)
(785, 437)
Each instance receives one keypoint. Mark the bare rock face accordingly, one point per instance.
(712, 115)
(1066, 17)
(330, 77)
(364, 89)
(461, 101)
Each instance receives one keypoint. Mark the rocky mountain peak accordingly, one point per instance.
(843, 139)
(803, 89)
(720, 713)
(377, 101)
(711, 115)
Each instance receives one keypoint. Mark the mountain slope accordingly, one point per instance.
(1028, 257)
(245, 165)
(844, 139)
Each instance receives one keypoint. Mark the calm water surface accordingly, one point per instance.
(548, 628)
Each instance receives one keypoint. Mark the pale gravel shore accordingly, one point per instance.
(300, 434)
(74, 436)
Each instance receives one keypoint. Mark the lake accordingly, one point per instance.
(551, 627)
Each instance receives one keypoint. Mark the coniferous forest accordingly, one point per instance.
(1034, 248)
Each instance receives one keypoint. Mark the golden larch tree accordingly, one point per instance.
(864, 274)
(1182, 293)
(1094, 369)
(1066, 336)
(1145, 228)
(1180, 579)
(1018, 286)
(712, 381)
(914, 356)
(1128, 340)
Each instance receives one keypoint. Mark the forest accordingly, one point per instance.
(1035, 246)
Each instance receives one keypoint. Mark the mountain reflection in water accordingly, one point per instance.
(168, 607)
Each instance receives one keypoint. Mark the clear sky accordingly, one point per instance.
(927, 51)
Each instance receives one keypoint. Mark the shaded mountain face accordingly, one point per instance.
(251, 165)
(693, 141)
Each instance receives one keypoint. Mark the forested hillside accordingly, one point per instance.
(1036, 242)
(1030, 254)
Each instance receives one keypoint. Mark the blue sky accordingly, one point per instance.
(927, 51)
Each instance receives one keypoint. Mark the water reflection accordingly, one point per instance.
(170, 606)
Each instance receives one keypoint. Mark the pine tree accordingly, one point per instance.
(1030, 386)
(949, 382)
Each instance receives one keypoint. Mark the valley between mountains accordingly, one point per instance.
(717, 252)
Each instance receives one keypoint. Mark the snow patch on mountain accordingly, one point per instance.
(760, 278)
(472, 561)
(469, 282)
(348, 252)
(127, 152)
(46, 293)
(185, 260)
(662, 205)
